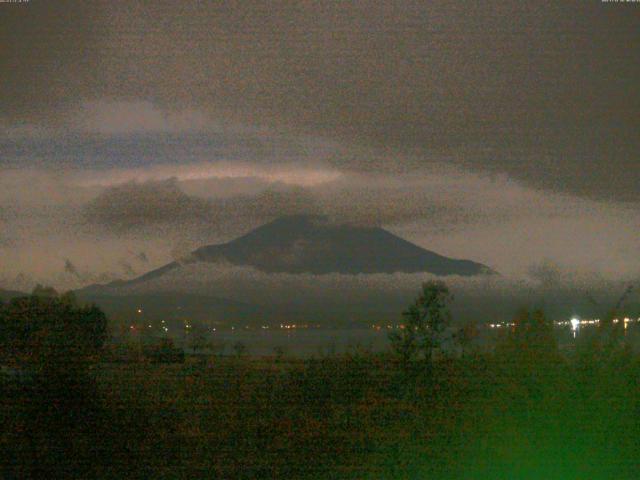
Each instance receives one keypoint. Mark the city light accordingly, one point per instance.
(575, 323)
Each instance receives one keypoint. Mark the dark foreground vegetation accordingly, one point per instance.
(524, 410)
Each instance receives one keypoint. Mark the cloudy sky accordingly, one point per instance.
(132, 132)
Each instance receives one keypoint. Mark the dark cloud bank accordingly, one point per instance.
(542, 91)
(134, 132)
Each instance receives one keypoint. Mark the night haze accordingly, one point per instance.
(353, 208)
(480, 132)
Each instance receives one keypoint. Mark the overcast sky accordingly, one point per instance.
(504, 132)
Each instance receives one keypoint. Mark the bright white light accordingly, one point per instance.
(575, 323)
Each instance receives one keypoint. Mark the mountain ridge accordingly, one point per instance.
(298, 244)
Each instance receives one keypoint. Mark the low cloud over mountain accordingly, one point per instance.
(166, 190)
(145, 205)
(133, 204)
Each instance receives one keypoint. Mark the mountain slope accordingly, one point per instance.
(310, 244)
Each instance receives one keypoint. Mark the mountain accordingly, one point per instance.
(311, 244)
(196, 288)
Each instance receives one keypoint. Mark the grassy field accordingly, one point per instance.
(502, 415)
(523, 411)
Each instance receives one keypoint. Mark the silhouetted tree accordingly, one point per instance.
(240, 349)
(48, 333)
(51, 341)
(611, 327)
(535, 329)
(279, 352)
(164, 352)
(466, 335)
(198, 342)
(532, 331)
(529, 345)
(42, 291)
(424, 322)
